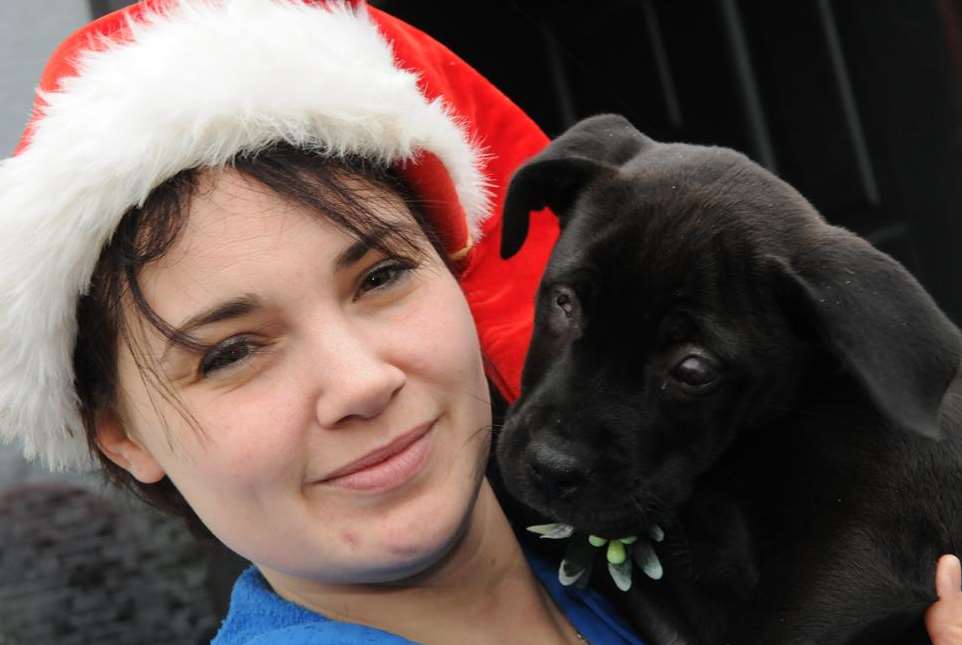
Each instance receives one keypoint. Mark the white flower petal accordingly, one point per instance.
(556, 531)
(621, 574)
(646, 558)
(570, 576)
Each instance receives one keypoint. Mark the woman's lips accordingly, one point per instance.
(387, 467)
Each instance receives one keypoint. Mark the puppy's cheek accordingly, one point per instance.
(672, 483)
(509, 454)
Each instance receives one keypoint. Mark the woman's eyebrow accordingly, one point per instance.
(233, 308)
(353, 253)
(399, 230)
(356, 251)
(226, 310)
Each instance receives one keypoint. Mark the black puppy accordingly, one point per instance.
(711, 356)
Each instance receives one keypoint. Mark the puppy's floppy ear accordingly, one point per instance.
(878, 321)
(592, 147)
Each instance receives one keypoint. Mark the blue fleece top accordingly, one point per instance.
(258, 616)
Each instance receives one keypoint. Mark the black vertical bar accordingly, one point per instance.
(99, 8)
(660, 56)
(747, 85)
(559, 78)
(849, 106)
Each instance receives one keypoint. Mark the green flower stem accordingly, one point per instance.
(616, 552)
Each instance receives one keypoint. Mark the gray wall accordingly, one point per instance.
(29, 32)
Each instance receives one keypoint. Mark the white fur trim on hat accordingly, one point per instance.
(194, 87)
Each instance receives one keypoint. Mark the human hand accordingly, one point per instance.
(943, 619)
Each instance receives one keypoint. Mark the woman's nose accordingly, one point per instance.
(357, 380)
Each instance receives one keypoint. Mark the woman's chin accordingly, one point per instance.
(399, 561)
(414, 548)
(425, 544)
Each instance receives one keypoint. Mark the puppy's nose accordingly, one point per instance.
(556, 472)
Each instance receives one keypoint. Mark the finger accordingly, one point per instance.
(948, 577)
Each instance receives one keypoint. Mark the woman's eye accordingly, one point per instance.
(226, 354)
(385, 274)
(695, 372)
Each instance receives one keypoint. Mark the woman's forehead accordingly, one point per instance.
(230, 215)
(241, 237)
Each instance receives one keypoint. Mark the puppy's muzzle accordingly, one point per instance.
(555, 472)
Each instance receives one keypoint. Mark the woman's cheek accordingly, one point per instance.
(449, 339)
(262, 421)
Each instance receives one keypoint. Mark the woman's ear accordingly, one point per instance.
(124, 450)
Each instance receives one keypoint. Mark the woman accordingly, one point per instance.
(252, 330)
(250, 264)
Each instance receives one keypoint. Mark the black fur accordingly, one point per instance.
(712, 356)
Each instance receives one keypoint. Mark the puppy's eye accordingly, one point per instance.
(695, 372)
(563, 311)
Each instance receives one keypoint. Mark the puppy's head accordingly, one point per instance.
(678, 310)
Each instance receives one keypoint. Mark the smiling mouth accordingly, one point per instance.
(388, 467)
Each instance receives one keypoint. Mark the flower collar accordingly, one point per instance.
(576, 565)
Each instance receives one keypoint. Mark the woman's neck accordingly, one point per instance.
(482, 591)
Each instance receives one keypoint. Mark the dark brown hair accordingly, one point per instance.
(326, 186)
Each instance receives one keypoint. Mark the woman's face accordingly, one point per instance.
(321, 353)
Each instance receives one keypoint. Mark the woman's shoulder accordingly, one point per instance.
(258, 616)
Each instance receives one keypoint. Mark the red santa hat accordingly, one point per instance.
(165, 85)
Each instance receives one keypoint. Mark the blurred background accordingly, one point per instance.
(857, 104)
